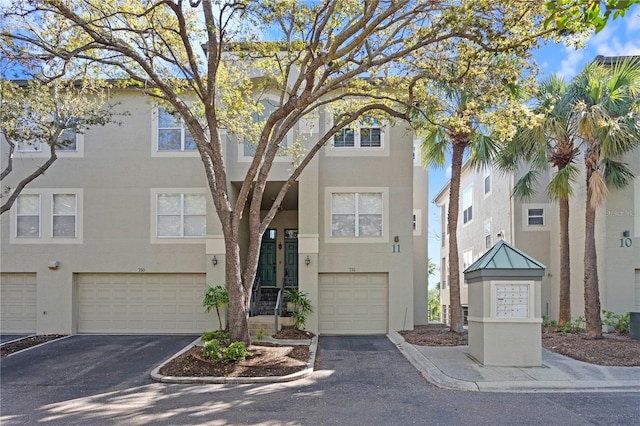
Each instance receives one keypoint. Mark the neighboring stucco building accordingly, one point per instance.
(120, 235)
(533, 227)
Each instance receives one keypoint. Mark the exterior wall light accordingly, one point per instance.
(626, 234)
(53, 264)
(307, 261)
(214, 260)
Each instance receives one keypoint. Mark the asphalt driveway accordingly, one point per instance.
(80, 366)
(361, 380)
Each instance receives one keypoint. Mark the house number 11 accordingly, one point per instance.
(396, 248)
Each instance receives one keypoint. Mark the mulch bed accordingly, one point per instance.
(611, 350)
(11, 347)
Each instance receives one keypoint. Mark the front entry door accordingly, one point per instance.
(267, 261)
(291, 257)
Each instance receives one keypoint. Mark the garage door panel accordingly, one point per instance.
(352, 303)
(141, 303)
(18, 303)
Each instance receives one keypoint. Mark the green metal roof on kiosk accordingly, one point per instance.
(503, 261)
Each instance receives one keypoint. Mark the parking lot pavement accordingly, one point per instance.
(9, 337)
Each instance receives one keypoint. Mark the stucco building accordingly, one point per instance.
(121, 235)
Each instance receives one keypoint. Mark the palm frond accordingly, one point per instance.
(561, 184)
(434, 147)
(483, 151)
(598, 189)
(524, 189)
(617, 174)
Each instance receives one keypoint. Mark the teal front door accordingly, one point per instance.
(291, 263)
(267, 261)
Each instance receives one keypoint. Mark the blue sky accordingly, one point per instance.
(620, 37)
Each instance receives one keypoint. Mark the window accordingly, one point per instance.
(269, 106)
(63, 219)
(535, 217)
(417, 222)
(47, 216)
(467, 208)
(487, 234)
(356, 215)
(487, 180)
(467, 259)
(181, 215)
(368, 134)
(172, 133)
(66, 142)
(28, 216)
(443, 273)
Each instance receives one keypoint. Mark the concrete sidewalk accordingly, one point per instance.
(451, 368)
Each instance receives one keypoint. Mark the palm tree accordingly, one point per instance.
(472, 105)
(549, 142)
(606, 116)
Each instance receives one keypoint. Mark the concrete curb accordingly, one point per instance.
(33, 347)
(427, 369)
(434, 375)
(313, 348)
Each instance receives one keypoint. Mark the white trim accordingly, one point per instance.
(487, 174)
(417, 221)
(155, 152)
(328, 191)
(154, 239)
(46, 210)
(525, 217)
(484, 233)
(44, 152)
(357, 151)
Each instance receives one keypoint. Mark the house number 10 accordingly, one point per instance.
(626, 242)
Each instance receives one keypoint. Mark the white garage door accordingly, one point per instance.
(17, 303)
(352, 303)
(140, 303)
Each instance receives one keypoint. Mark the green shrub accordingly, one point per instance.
(262, 333)
(302, 306)
(212, 350)
(619, 322)
(237, 351)
(221, 336)
(576, 326)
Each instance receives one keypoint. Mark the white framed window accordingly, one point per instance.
(48, 216)
(357, 214)
(181, 215)
(443, 273)
(417, 222)
(28, 216)
(69, 144)
(467, 205)
(487, 234)
(367, 137)
(172, 133)
(487, 181)
(63, 217)
(467, 259)
(534, 217)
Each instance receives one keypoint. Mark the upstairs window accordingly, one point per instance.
(367, 134)
(467, 208)
(535, 217)
(172, 133)
(67, 142)
(63, 218)
(356, 215)
(181, 215)
(28, 216)
(487, 180)
(487, 235)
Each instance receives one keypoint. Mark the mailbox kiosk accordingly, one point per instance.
(504, 308)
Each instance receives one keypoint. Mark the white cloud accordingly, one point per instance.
(632, 20)
(619, 38)
(569, 66)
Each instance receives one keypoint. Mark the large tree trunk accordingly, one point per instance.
(238, 302)
(457, 319)
(565, 260)
(591, 290)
